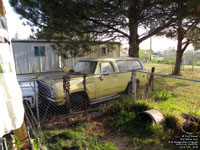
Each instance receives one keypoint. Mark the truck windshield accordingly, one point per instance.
(85, 67)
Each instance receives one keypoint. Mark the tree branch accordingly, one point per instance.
(156, 31)
(186, 45)
(107, 26)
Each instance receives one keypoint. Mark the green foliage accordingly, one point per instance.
(75, 140)
(197, 63)
(36, 145)
(95, 20)
(163, 62)
(162, 95)
(194, 35)
(144, 131)
(124, 112)
(106, 146)
(16, 142)
(144, 53)
(171, 123)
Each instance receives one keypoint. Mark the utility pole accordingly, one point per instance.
(150, 48)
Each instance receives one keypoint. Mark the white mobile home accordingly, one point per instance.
(33, 56)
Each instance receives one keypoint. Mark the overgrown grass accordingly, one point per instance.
(77, 139)
(124, 112)
(170, 96)
(185, 95)
(125, 117)
(186, 71)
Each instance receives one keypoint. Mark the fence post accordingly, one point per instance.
(152, 78)
(85, 102)
(66, 87)
(36, 103)
(133, 85)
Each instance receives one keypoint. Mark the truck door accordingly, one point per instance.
(106, 81)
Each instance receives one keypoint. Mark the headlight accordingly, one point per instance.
(52, 92)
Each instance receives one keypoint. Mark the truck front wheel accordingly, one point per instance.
(129, 87)
(79, 102)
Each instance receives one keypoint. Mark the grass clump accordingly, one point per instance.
(123, 112)
(126, 117)
(75, 140)
(162, 95)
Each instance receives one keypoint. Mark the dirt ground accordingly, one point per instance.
(120, 140)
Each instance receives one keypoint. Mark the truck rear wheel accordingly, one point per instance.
(129, 87)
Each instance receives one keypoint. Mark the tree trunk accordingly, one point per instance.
(179, 55)
(180, 51)
(133, 39)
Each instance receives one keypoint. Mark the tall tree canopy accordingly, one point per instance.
(188, 19)
(83, 21)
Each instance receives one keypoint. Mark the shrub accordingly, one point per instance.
(124, 112)
(162, 95)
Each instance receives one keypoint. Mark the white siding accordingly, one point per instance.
(27, 62)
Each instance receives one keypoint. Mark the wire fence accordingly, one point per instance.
(182, 93)
(60, 101)
(77, 97)
(56, 102)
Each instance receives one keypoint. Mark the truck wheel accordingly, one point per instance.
(77, 102)
(129, 87)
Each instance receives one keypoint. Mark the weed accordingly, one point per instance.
(83, 126)
(106, 146)
(16, 141)
(124, 112)
(36, 145)
(162, 95)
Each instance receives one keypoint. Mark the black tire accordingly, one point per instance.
(79, 102)
(129, 89)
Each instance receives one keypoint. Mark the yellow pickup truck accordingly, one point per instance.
(106, 78)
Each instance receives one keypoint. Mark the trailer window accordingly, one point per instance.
(39, 50)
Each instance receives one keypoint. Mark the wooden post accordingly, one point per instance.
(66, 87)
(133, 86)
(2, 10)
(36, 103)
(21, 133)
(152, 78)
(86, 100)
(150, 84)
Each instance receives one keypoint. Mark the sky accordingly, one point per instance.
(15, 26)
